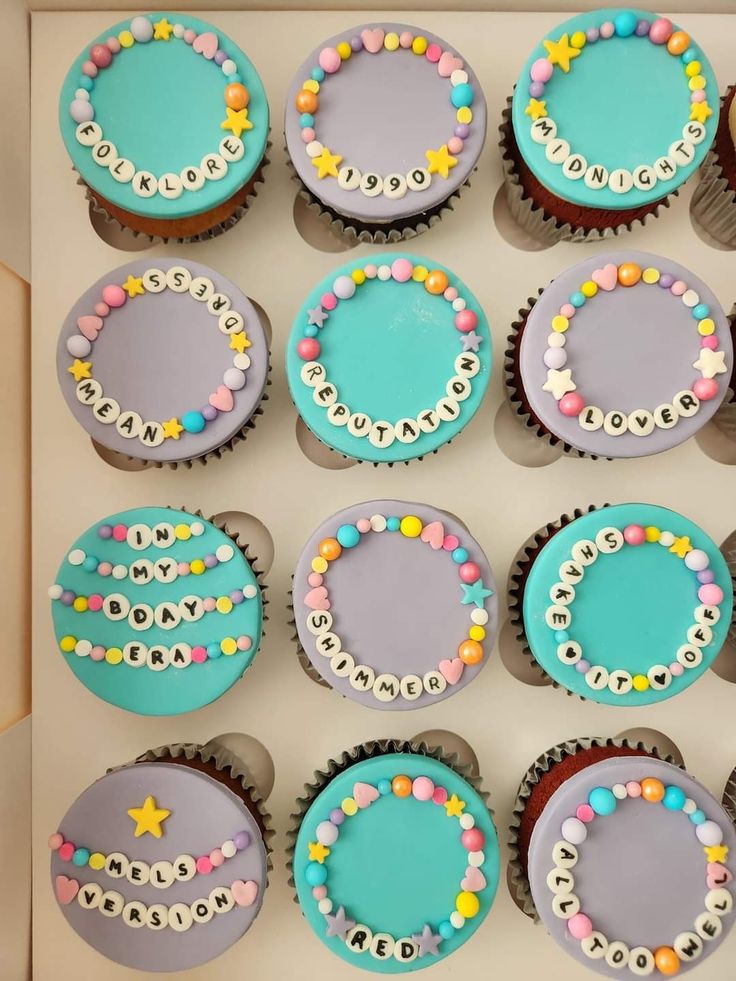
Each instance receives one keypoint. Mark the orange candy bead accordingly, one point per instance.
(307, 101)
(629, 273)
(330, 549)
(666, 961)
(436, 282)
(401, 786)
(470, 652)
(678, 42)
(236, 96)
(653, 791)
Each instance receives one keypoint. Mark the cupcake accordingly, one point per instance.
(624, 857)
(166, 123)
(157, 611)
(426, 376)
(394, 856)
(165, 363)
(575, 377)
(176, 842)
(714, 200)
(359, 134)
(366, 568)
(627, 605)
(578, 164)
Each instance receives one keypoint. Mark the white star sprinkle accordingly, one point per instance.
(559, 383)
(711, 363)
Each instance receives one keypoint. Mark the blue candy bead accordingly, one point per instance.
(446, 930)
(577, 299)
(348, 536)
(315, 874)
(235, 77)
(213, 650)
(90, 563)
(562, 636)
(697, 817)
(384, 787)
(81, 856)
(690, 55)
(85, 82)
(310, 331)
(625, 23)
(700, 311)
(193, 422)
(462, 95)
(393, 524)
(674, 798)
(460, 555)
(602, 800)
(318, 74)
(306, 119)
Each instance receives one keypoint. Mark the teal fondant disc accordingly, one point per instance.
(161, 104)
(398, 863)
(623, 103)
(137, 686)
(631, 610)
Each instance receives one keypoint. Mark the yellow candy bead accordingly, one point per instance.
(476, 633)
(560, 323)
(80, 604)
(183, 532)
(652, 533)
(650, 275)
(197, 567)
(589, 288)
(419, 45)
(319, 564)
(640, 682)
(344, 50)
(358, 276)
(67, 644)
(696, 82)
(410, 526)
(391, 41)
(420, 274)
(96, 861)
(311, 85)
(578, 40)
(126, 39)
(464, 115)
(693, 69)
(228, 645)
(223, 604)
(467, 904)
(349, 806)
(706, 327)
(113, 655)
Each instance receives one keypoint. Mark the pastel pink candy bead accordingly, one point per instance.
(319, 892)
(104, 569)
(102, 309)
(676, 669)
(89, 68)
(113, 44)
(204, 866)
(433, 53)
(315, 579)
(710, 594)
(633, 789)
(473, 839)
(571, 404)
(189, 36)
(370, 271)
(585, 813)
(308, 134)
(244, 643)
(466, 320)
(678, 288)
(580, 926)
(97, 653)
(422, 788)
(710, 342)
(706, 389)
(101, 55)
(450, 543)
(660, 31)
(698, 95)
(607, 29)
(329, 60)
(634, 535)
(469, 572)
(568, 310)
(329, 301)
(56, 841)
(209, 604)
(455, 144)
(308, 348)
(216, 858)
(113, 295)
(405, 39)
(363, 525)
(183, 568)
(401, 270)
(541, 70)
(450, 294)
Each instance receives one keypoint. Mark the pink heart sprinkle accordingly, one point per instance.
(222, 399)
(364, 794)
(244, 893)
(372, 39)
(433, 534)
(474, 880)
(451, 670)
(606, 278)
(448, 64)
(66, 889)
(206, 45)
(90, 326)
(317, 598)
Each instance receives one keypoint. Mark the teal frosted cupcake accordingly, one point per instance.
(389, 359)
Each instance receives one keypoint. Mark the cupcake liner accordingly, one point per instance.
(306, 664)
(728, 800)
(253, 185)
(725, 417)
(714, 201)
(518, 573)
(728, 550)
(518, 880)
(539, 224)
(366, 751)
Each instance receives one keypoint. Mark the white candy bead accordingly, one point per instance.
(574, 831)
(708, 833)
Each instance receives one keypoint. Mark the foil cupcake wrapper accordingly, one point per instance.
(545, 227)
(367, 751)
(302, 656)
(518, 880)
(728, 550)
(725, 417)
(728, 799)
(714, 202)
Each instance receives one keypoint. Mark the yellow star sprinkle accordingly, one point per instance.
(239, 342)
(317, 852)
(700, 111)
(681, 546)
(148, 818)
(172, 429)
(454, 806)
(80, 369)
(717, 853)
(326, 163)
(162, 30)
(561, 52)
(237, 121)
(440, 161)
(536, 108)
(133, 286)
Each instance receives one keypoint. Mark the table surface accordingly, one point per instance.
(508, 722)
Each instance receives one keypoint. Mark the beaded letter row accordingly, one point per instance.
(213, 166)
(358, 937)
(688, 945)
(558, 616)
(574, 165)
(362, 677)
(439, 161)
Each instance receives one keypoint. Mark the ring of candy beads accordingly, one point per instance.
(439, 162)
(640, 422)
(386, 687)
(381, 433)
(138, 872)
(129, 423)
(688, 945)
(213, 166)
(357, 936)
(560, 53)
(558, 616)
